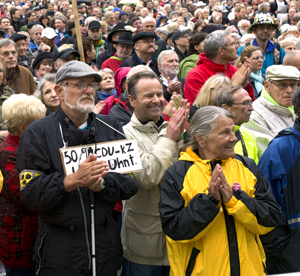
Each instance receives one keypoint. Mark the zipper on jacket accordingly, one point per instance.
(39, 251)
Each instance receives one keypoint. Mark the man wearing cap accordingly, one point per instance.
(64, 54)
(123, 17)
(273, 110)
(110, 49)
(144, 47)
(262, 28)
(48, 38)
(18, 78)
(220, 50)
(180, 39)
(62, 201)
(20, 41)
(124, 48)
(149, 25)
(95, 33)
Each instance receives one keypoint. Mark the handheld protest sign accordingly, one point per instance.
(122, 156)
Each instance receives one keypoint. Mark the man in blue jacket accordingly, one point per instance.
(280, 164)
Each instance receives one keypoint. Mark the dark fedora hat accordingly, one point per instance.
(125, 38)
(143, 35)
(120, 27)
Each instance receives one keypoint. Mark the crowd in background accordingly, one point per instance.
(172, 74)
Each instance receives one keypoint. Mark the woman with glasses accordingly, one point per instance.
(255, 56)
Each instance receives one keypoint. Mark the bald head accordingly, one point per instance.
(292, 58)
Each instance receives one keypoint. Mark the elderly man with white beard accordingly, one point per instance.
(168, 65)
(243, 26)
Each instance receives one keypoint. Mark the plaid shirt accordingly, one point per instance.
(18, 226)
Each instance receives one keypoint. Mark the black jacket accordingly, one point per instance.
(133, 61)
(123, 110)
(167, 95)
(274, 6)
(160, 45)
(63, 243)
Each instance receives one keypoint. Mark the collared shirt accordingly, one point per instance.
(142, 62)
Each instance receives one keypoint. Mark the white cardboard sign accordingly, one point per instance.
(122, 156)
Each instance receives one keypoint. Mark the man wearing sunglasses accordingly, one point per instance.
(273, 110)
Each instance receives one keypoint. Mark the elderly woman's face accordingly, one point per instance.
(221, 141)
(107, 82)
(49, 95)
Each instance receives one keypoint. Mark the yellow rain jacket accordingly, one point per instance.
(210, 238)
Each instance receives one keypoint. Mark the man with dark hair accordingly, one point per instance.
(30, 16)
(280, 166)
(156, 141)
(15, 19)
(65, 202)
(136, 22)
(5, 26)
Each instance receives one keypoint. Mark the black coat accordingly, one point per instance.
(63, 243)
(167, 95)
(133, 61)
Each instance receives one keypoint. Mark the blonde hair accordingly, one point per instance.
(209, 88)
(20, 109)
(172, 27)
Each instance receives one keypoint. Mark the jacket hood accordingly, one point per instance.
(189, 155)
(121, 73)
(214, 66)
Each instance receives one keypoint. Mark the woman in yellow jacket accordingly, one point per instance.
(215, 204)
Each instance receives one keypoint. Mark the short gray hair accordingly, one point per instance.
(36, 27)
(225, 95)
(38, 93)
(6, 42)
(106, 71)
(203, 123)
(213, 42)
(165, 53)
(107, 14)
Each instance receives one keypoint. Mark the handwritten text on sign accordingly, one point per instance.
(122, 156)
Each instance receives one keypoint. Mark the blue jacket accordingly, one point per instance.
(280, 165)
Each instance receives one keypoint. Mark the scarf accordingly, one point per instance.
(269, 98)
(103, 96)
(258, 81)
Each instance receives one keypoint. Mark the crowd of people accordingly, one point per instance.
(210, 92)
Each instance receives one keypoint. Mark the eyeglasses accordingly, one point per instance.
(284, 86)
(245, 104)
(257, 58)
(83, 85)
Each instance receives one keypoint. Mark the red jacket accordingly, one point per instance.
(202, 72)
(112, 63)
(18, 225)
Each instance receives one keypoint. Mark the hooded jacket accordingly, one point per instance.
(280, 165)
(204, 70)
(207, 237)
